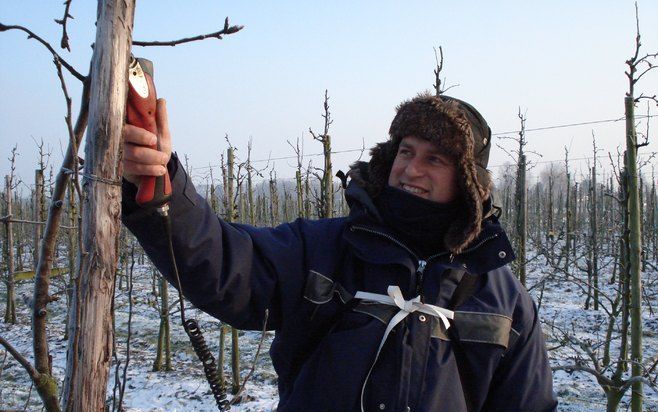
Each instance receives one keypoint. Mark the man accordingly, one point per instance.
(361, 304)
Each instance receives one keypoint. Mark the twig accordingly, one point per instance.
(130, 317)
(218, 35)
(64, 44)
(437, 74)
(437, 71)
(29, 394)
(34, 374)
(31, 35)
(69, 126)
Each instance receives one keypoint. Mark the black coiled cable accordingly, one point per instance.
(213, 375)
(209, 366)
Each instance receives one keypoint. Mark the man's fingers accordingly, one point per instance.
(137, 135)
(144, 155)
(139, 159)
(140, 169)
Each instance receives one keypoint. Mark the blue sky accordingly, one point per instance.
(561, 62)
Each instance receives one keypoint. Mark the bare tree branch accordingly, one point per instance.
(217, 35)
(34, 374)
(31, 35)
(237, 398)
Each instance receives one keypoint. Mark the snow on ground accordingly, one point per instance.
(185, 388)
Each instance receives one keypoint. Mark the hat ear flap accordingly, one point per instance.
(382, 157)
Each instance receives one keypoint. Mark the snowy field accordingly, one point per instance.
(185, 388)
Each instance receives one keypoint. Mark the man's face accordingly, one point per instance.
(419, 168)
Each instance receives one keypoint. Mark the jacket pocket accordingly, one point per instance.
(332, 377)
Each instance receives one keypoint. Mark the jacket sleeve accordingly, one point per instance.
(230, 271)
(523, 380)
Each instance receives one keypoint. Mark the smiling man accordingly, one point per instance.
(404, 305)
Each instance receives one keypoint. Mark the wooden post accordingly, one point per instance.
(91, 334)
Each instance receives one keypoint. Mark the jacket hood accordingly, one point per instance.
(458, 130)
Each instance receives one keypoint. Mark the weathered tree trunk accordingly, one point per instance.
(521, 219)
(613, 398)
(624, 271)
(307, 197)
(38, 213)
(300, 193)
(230, 211)
(10, 308)
(19, 233)
(326, 180)
(221, 358)
(250, 195)
(594, 235)
(550, 235)
(213, 194)
(286, 210)
(224, 184)
(642, 225)
(274, 201)
(575, 220)
(538, 221)
(72, 252)
(230, 190)
(521, 205)
(568, 224)
(164, 340)
(635, 248)
(90, 343)
(653, 226)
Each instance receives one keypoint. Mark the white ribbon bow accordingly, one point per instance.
(407, 307)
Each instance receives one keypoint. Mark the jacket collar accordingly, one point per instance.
(373, 240)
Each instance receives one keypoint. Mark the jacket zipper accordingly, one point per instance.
(421, 263)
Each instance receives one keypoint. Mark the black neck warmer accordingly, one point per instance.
(420, 223)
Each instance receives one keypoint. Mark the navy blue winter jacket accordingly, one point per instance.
(306, 274)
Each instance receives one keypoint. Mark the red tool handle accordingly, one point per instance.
(153, 191)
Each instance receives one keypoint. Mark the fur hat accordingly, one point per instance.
(460, 132)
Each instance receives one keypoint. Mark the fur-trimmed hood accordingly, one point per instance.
(459, 131)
